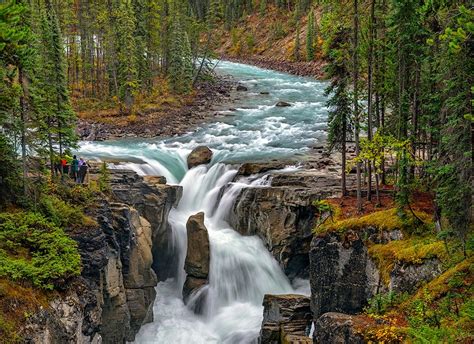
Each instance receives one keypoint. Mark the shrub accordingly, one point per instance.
(381, 303)
(35, 250)
(61, 213)
(428, 335)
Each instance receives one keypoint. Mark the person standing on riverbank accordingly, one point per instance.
(74, 167)
(82, 171)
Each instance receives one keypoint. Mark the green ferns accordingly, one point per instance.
(36, 250)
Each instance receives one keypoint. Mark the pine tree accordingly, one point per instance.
(339, 117)
(127, 73)
(180, 66)
(455, 162)
(65, 117)
(310, 37)
(297, 53)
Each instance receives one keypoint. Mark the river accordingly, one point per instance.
(241, 269)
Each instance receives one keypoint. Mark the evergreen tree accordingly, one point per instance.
(180, 65)
(310, 37)
(339, 117)
(297, 53)
(455, 162)
(127, 73)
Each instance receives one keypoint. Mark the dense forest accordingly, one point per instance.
(400, 76)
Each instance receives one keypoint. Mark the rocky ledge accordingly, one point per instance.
(123, 257)
(286, 319)
(282, 214)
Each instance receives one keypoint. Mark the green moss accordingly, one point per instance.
(411, 251)
(382, 220)
(8, 332)
(35, 250)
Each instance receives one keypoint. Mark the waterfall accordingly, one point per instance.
(241, 268)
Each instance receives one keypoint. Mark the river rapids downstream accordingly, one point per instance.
(241, 269)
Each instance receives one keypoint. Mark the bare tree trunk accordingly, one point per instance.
(343, 156)
(23, 118)
(377, 186)
(369, 95)
(356, 100)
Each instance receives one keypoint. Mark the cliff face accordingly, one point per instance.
(344, 277)
(121, 260)
(282, 215)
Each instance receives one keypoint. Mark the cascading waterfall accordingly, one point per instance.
(241, 269)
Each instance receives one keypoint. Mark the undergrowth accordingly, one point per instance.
(35, 250)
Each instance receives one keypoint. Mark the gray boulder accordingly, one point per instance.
(200, 155)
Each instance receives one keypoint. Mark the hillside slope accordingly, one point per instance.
(269, 41)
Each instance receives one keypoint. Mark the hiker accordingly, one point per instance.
(57, 165)
(64, 166)
(82, 171)
(74, 167)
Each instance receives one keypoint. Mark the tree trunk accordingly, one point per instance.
(343, 156)
(23, 118)
(369, 93)
(356, 100)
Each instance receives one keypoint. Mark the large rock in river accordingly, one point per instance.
(200, 155)
(198, 255)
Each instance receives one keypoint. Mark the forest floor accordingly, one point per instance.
(162, 114)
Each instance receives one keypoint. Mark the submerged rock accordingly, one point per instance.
(199, 156)
(286, 319)
(197, 257)
(282, 104)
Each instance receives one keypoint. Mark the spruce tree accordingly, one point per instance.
(339, 104)
(127, 73)
(180, 65)
(310, 37)
(297, 52)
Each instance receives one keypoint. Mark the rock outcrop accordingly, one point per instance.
(337, 328)
(197, 257)
(153, 199)
(250, 168)
(66, 320)
(282, 104)
(286, 319)
(241, 88)
(344, 277)
(200, 155)
(114, 296)
(282, 215)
